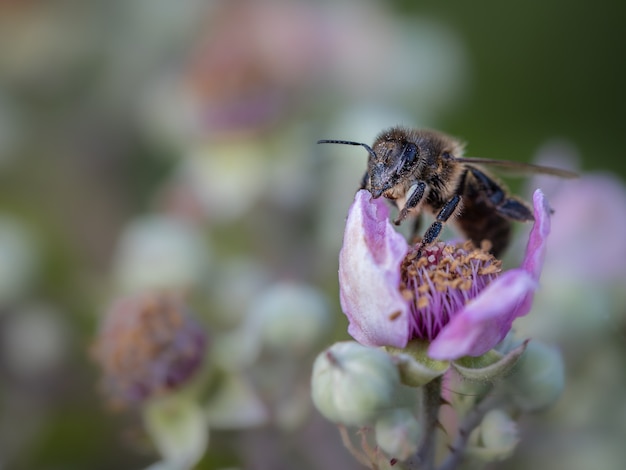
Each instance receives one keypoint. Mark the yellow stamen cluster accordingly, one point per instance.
(445, 268)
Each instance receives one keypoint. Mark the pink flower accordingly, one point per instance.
(452, 295)
(149, 344)
(588, 221)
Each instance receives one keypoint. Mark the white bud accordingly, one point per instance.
(354, 384)
(291, 317)
(499, 433)
(398, 433)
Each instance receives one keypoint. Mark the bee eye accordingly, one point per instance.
(446, 155)
(409, 154)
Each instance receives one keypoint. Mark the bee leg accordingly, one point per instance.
(514, 209)
(508, 207)
(414, 197)
(444, 214)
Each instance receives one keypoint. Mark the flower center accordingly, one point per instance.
(441, 280)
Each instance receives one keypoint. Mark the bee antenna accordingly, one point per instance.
(349, 142)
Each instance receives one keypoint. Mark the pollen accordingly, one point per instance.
(395, 315)
(443, 278)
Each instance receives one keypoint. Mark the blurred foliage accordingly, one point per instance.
(540, 70)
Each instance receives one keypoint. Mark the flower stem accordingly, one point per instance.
(424, 459)
(347, 442)
(473, 418)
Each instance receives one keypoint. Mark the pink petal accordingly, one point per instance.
(536, 247)
(487, 319)
(369, 275)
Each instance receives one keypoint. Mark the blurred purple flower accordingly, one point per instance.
(148, 344)
(590, 213)
(451, 295)
(584, 270)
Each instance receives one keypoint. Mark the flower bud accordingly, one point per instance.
(354, 384)
(291, 317)
(539, 378)
(160, 253)
(398, 433)
(499, 434)
(178, 427)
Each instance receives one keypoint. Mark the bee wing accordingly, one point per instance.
(520, 167)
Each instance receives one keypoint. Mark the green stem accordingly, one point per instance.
(424, 459)
(473, 419)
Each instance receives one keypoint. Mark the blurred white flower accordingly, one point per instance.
(158, 252)
(287, 317)
(290, 317)
(228, 178)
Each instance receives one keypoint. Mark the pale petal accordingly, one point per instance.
(536, 247)
(369, 275)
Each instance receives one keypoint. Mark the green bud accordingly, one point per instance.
(179, 429)
(539, 379)
(354, 384)
(416, 368)
(291, 317)
(499, 434)
(398, 433)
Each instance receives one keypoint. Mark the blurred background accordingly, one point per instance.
(157, 145)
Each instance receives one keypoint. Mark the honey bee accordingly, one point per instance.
(425, 169)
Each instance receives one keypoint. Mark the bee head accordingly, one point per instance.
(390, 162)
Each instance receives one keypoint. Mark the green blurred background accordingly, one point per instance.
(102, 105)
